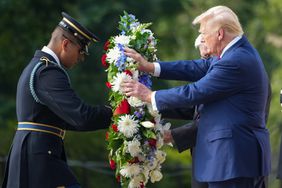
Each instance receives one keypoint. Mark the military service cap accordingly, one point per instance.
(83, 35)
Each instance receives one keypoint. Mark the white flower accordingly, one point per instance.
(113, 55)
(160, 142)
(153, 113)
(148, 31)
(127, 125)
(146, 173)
(161, 128)
(152, 164)
(147, 124)
(155, 175)
(130, 170)
(160, 155)
(135, 75)
(133, 147)
(117, 81)
(122, 39)
(135, 102)
(135, 182)
(130, 61)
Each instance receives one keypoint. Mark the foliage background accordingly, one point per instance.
(27, 25)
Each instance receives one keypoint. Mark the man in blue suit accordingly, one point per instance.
(232, 147)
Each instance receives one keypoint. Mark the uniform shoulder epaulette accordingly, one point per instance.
(47, 62)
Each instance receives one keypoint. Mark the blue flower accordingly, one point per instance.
(146, 80)
(120, 63)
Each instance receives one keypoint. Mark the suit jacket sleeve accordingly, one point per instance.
(191, 70)
(179, 113)
(185, 136)
(55, 92)
(222, 79)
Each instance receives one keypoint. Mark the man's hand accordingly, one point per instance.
(143, 64)
(168, 137)
(136, 89)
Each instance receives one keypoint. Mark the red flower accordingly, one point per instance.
(107, 135)
(104, 62)
(128, 72)
(112, 164)
(123, 108)
(141, 185)
(118, 178)
(152, 142)
(134, 160)
(114, 127)
(106, 45)
(108, 84)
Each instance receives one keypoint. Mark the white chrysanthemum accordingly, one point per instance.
(133, 147)
(161, 128)
(155, 175)
(135, 182)
(127, 125)
(147, 124)
(146, 173)
(135, 102)
(130, 61)
(153, 113)
(160, 156)
(113, 55)
(152, 164)
(130, 170)
(117, 80)
(122, 39)
(141, 158)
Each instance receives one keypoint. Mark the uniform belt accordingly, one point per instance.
(39, 127)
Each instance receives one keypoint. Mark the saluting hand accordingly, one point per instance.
(136, 89)
(143, 64)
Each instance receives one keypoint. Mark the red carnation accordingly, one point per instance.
(134, 160)
(128, 72)
(141, 185)
(123, 108)
(107, 135)
(109, 85)
(112, 164)
(104, 62)
(118, 178)
(114, 127)
(106, 45)
(152, 142)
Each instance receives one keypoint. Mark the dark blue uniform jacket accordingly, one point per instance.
(37, 159)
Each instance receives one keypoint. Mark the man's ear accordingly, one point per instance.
(65, 44)
(220, 34)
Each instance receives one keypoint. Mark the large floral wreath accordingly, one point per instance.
(135, 138)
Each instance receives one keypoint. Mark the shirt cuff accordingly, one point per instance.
(157, 71)
(153, 101)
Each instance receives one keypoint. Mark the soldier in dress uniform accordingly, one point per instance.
(47, 106)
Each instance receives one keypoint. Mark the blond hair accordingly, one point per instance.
(221, 17)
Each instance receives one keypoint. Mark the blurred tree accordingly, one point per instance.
(27, 25)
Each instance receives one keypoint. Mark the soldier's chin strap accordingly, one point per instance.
(281, 97)
(43, 61)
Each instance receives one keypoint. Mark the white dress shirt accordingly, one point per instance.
(50, 52)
